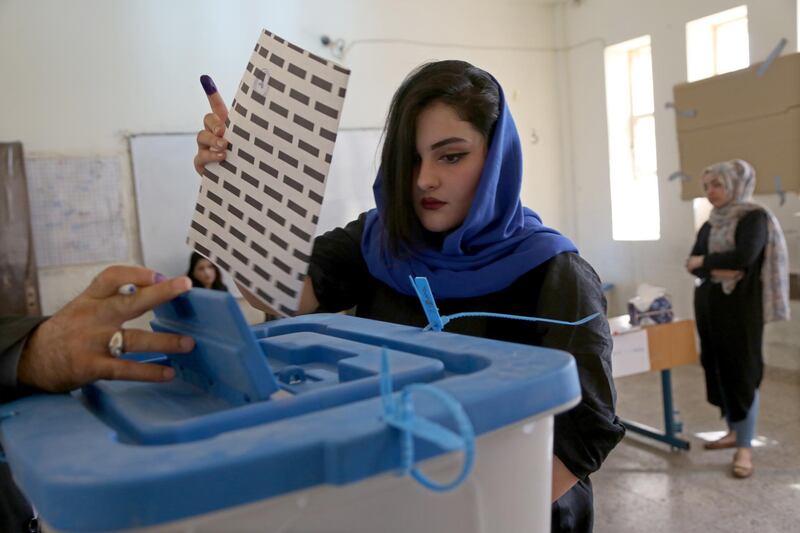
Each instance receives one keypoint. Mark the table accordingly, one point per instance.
(668, 345)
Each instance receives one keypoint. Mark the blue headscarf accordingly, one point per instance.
(499, 241)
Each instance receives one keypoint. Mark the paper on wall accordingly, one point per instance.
(631, 354)
(76, 210)
(257, 211)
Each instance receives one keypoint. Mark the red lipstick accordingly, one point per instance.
(431, 203)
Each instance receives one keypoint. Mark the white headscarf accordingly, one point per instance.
(739, 180)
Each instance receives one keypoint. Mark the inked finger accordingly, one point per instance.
(214, 98)
(138, 340)
(108, 282)
(128, 307)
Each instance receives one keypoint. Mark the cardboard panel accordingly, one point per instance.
(745, 116)
(672, 344)
(19, 286)
(769, 143)
(739, 95)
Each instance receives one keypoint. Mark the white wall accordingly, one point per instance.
(80, 75)
(585, 29)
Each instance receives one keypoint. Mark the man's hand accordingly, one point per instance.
(70, 349)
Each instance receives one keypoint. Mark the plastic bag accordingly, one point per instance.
(651, 305)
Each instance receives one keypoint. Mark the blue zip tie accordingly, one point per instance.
(678, 175)
(687, 113)
(438, 434)
(401, 416)
(386, 385)
(437, 322)
(779, 191)
(446, 319)
(423, 290)
(771, 57)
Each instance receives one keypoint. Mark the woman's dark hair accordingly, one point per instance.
(218, 284)
(474, 96)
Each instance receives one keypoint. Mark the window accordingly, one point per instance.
(716, 44)
(632, 141)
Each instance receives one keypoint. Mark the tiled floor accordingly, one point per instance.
(645, 487)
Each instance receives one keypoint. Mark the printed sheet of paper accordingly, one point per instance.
(631, 353)
(76, 210)
(257, 211)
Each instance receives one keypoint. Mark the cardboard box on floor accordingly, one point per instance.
(741, 115)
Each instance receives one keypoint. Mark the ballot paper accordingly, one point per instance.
(631, 354)
(257, 211)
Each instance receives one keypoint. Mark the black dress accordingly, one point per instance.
(731, 326)
(565, 287)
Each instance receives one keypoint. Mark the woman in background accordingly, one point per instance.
(205, 274)
(740, 257)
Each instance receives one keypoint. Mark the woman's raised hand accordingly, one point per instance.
(211, 143)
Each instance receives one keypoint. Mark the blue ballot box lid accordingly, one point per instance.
(252, 410)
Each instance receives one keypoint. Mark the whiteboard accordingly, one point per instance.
(167, 185)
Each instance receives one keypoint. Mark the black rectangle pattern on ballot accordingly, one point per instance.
(257, 210)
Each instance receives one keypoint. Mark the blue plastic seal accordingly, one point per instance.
(402, 417)
(423, 290)
(437, 322)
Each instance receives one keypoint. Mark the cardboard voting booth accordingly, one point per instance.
(742, 115)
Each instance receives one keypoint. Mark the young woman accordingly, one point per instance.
(741, 259)
(448, 208)
(204, 273)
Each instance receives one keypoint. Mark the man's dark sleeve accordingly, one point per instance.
(15, 512)
(14, 331)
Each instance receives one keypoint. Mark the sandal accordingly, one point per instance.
(720, 444)
(742, 470)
